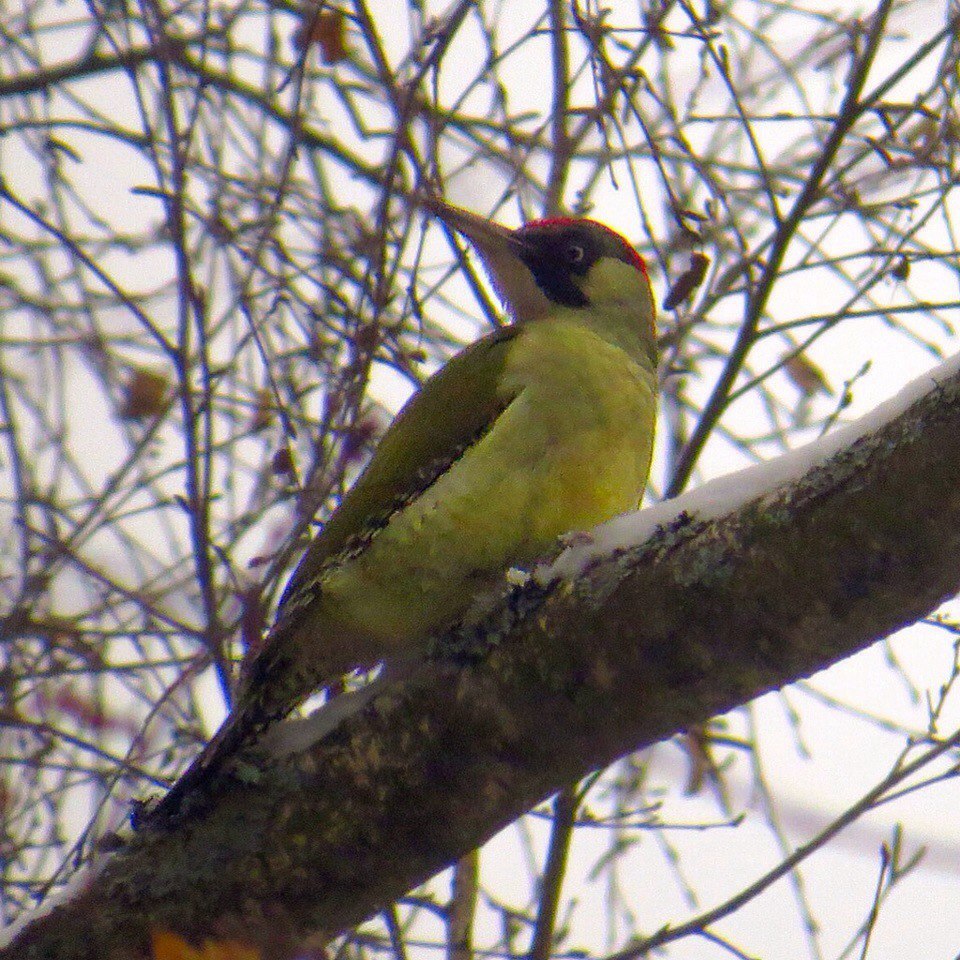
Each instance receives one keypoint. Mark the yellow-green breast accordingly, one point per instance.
(571, 449)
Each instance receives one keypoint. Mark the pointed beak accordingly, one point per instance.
(501, 250)
(486, 235)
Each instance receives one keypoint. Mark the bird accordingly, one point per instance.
(542, 427)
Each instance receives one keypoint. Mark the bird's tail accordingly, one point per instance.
(238, 731)
(266, 696)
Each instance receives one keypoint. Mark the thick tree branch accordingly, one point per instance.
(703, 617)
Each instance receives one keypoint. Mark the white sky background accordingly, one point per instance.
(843, 759)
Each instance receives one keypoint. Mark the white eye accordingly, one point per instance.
(575, 253)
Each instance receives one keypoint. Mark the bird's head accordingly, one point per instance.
(566, 262)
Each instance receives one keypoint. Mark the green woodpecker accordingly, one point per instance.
(540, 428)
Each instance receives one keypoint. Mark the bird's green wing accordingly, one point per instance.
(452, 410)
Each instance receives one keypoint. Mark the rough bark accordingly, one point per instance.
(558, 683)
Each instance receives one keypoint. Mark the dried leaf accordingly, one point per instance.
(901, 269)
(358, 439)
(168, 946)
(325, 29)
(144, 394)
(687, 283)
(263, 411)
(253, 617)
(281, 463)
(806, 376)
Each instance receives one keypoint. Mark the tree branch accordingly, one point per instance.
(558, 682)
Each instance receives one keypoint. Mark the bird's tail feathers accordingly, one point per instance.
(264, 698)
(237, 731)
